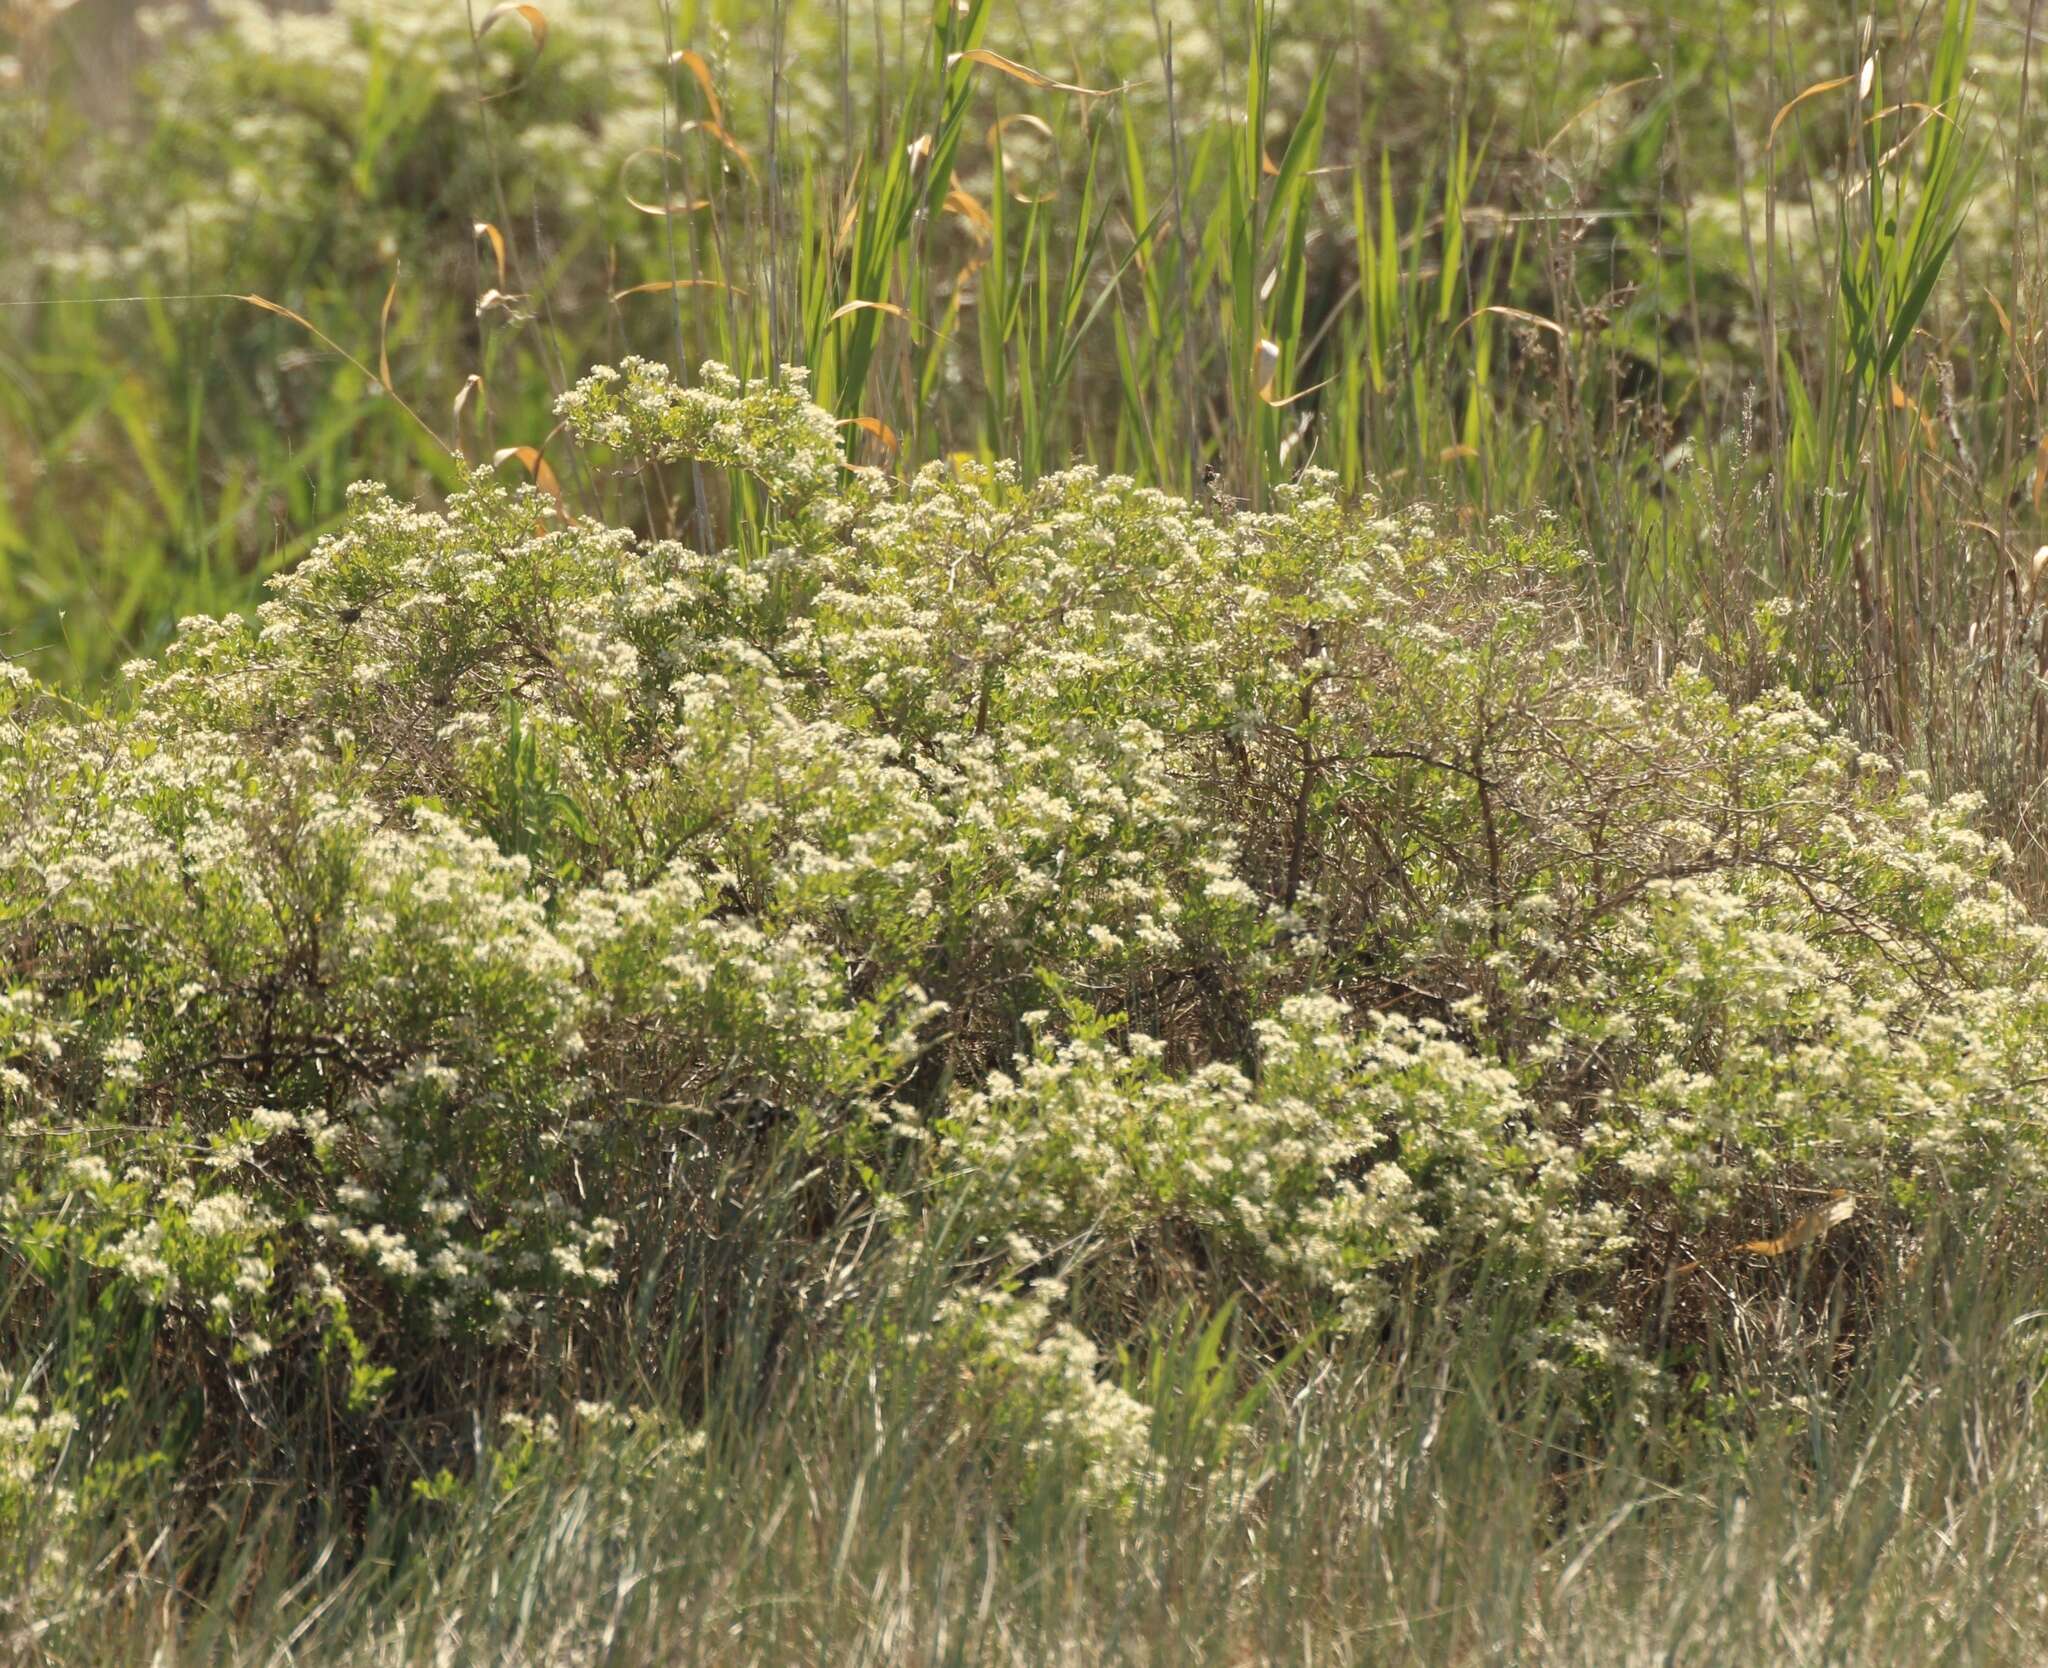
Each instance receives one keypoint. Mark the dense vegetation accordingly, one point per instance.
(818, 1034)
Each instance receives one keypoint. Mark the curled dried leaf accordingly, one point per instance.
(540, 469)
(533, 17)
(674, 205)
(874, 426)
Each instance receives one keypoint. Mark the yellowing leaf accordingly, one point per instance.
(968, 207)
(540, 469)
(483, 228)
(701, 73)
(852, 307)
(473, 385)
(1814, 91)
(1024, 73)
(384, 333)
(1519, 316)
(1807, 1229)
(848, 309)
(874, 426)
(656, 286)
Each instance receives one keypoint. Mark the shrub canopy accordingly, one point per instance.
(388, 982)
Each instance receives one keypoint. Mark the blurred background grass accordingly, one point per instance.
(1750, 294)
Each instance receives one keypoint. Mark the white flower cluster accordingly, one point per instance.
(1041, 1380)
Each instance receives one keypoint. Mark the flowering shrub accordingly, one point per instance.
(387, 975)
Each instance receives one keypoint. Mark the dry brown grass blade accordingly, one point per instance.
(1594, 103)
(1930, 111)
(1903, 401)
(311, 329)
(473, 385)
(849, 213)
(1268, 367)
(1896, 151)
(2012, 348)
(1807, 1229)
(1460, 453)
(1024, 73)
(540, 469)
(895, 311)
(675, 205)
(483, 228)
(533, 17)
(658, 285)
(1815, 91)
(384, 332)
(700, 72)
(1519, 315)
